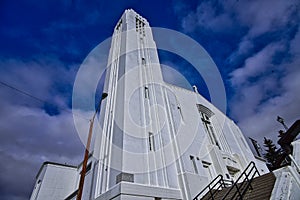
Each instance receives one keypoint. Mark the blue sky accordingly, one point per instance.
(255, 44)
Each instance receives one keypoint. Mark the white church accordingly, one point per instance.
(157, 141)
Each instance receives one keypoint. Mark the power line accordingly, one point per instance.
(39, 99)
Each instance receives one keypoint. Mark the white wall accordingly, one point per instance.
(55, 182)
(287, 184)
(170, 113)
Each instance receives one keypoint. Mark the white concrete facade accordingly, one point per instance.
(55, 181)
(165, 136)
(158, 141)
(287, 185)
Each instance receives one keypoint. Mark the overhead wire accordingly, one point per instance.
(39, 99)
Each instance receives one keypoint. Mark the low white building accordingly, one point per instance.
(158, 141)
(55, 181)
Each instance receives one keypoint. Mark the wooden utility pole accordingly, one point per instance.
(87, 150)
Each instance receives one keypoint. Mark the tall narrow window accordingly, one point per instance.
(143, 61)
(210, 130)
(119, 25)
(194, 164)
(151, 142)
(146, 92)
(206, 114)
(180, 111)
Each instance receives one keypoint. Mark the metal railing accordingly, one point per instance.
(213, 187)
(219, 183)
(241, 188)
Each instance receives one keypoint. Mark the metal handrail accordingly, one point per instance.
(218, 181)
(240, 190)
(240, 187)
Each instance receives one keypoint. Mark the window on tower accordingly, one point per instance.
(119, 25)
(146, 93)
(194, 164)
(139, 26)
(143, 61)
(151, 142)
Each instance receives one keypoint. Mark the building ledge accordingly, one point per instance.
(139, 190)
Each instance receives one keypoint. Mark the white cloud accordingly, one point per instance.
(39, 78)
(274, 94)
(259, 16)
(245, 47)
(263, 15)
(206, 17)
(256, 65)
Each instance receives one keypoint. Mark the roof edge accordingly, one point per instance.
(53, 163)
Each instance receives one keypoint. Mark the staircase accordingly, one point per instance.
(262, 187)
(258, 188)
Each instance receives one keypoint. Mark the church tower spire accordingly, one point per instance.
(131, 125)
